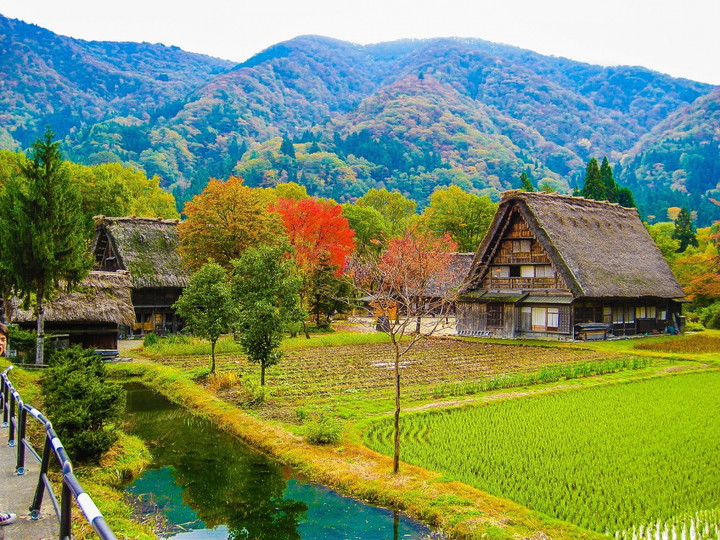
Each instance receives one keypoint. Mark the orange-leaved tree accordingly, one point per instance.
(224, 220)
(413, 280)
(322, 240)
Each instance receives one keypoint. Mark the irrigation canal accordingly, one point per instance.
(208, 485)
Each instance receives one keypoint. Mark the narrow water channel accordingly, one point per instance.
(208, 485)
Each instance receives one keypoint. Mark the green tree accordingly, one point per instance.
(207, 305)
(328, 293)
(685, 230)
(394, 207)
(372, 230)
(526, 183)
(44, 239)
(81, 404)
(593, 187)
(464, 216)
(267, 291)
(608, 181)
(625, 197)
(287, 147)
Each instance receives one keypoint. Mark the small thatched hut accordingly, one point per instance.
(560, 266)
(147, 249)
(90, 316)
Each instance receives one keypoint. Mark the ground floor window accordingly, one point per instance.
(545, 319)
(495, 315)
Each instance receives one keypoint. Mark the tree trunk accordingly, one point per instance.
(396, 455)
(212, 353)
(305, 329)
(262, 374)
(40, 343)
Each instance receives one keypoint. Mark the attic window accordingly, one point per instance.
(521, 246)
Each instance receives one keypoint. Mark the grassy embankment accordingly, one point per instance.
(354, 383)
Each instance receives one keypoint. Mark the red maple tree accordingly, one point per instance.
(318, 232)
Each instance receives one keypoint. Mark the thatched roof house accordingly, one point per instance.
(147, 249)
(91, 315)
(550, 262)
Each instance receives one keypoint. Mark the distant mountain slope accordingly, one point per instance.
(48, 78)
(678, 162)
(409, 115)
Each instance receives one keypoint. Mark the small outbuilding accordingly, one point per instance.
(567, 267)
(91, 316)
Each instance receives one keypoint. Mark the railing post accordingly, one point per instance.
(11, 424)
(40, 490)
(22, 426)
(65, 511)
(4, 400)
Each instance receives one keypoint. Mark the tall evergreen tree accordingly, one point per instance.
(625, 198)
(45, 246)
(593, 187)
(606, 175)
(526, 183)
(684, 230)
(287, 148)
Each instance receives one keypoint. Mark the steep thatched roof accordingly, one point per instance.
(146, 247)
(102, 297)
(600, 249)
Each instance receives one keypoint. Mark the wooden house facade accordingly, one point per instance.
(147, 249)
(566, 267)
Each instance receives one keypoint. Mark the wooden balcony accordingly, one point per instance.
(521, 283)
(521, 258)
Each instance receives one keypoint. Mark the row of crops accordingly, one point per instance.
(435, 368)
(625, 459)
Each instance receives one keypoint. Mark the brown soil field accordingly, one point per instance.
(342, 377)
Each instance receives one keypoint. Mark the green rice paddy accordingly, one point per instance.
(610, 459)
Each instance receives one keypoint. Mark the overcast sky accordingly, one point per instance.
(678, 37)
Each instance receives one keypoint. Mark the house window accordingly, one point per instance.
(662, 315)
(640, 312)
(527, 271)
(544, 270)
(650, 312)
(618, 315)
(553, 318)
(495, 315)
(629, 314)
(514, 271)
(607, 315)
(501, 271)
(544, 319)
(521, 246)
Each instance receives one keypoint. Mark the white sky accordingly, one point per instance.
(678, 37)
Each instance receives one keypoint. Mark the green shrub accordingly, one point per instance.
(80, 404)
(151, 339)
(257, 394)
(22, 341)
(326, 430)
(710, 316)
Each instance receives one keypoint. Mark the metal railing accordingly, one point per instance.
(15, 416)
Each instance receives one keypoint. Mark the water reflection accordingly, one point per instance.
(208, 485)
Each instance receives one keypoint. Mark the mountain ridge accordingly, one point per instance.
(482, 112)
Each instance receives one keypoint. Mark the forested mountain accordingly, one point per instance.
(50, 79)
(678, 162)
(341, 118)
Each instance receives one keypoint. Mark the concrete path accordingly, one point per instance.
(16, 496)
